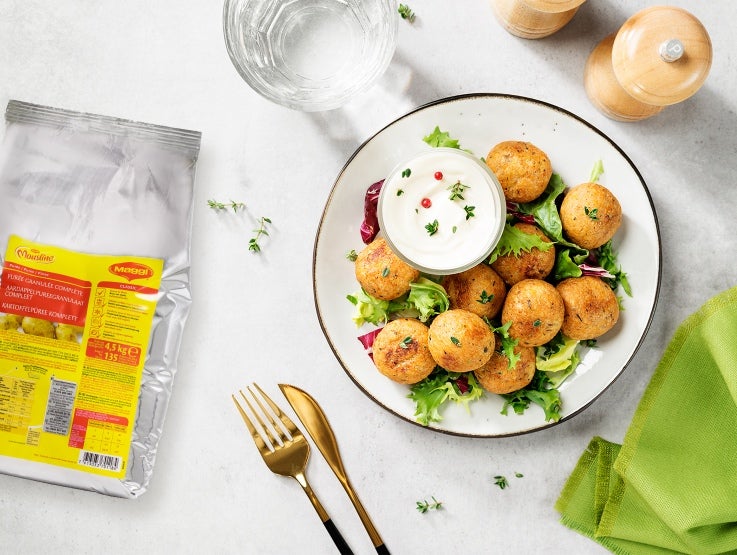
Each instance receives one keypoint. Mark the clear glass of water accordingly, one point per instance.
(310, 55)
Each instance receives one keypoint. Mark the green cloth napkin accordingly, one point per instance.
(671, 487)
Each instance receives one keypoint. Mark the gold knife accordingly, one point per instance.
(316, 423)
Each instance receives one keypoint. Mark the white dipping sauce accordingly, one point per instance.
(442, 211)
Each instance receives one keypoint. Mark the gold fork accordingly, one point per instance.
(286, 452)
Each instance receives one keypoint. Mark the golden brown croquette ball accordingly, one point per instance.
(522, 168)
(533, 264)
(37, 326)
(460, 340)
(10, 321)
(401, 353)
(591, 307)
(479, 290)
(381, 273)
(66, 332)
(497, 377)
(590, 215)
(536, 311)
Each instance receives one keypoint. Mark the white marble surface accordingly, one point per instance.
(253, 316)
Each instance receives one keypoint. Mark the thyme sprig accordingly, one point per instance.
(253, 243)
(217, 205)
(423, 506)
(406, 13)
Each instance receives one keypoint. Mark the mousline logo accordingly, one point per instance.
(34, 255)
(131, 270)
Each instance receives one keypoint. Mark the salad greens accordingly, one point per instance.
(440, 138)
(427, 298)
(440, 387)
(514, 241)
(541, 392)
(424, 300)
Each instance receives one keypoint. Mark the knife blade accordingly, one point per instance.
(317, 425)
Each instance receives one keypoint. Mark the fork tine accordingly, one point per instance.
(260, 443)
(293, 430)
(263, 427)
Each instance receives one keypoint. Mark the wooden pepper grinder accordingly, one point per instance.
(660, 56)
(534, 19)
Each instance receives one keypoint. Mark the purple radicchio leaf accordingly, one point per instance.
(370, 224)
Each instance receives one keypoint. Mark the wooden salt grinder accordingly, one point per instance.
(660, 56)
(534, 19)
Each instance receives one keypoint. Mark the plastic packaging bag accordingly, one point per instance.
(95, 225)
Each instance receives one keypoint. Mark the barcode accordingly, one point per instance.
(59, 407)
(98, 460)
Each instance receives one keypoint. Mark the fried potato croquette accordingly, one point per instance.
(497, 377)
(590, 215)
(66, 332)
(536, 311)
(460, 340)
(479, 290)
(381, 273)
(401, 351)
(532, 264)
(37, 326)
(10, 322)
(591, 307)
(522, 168)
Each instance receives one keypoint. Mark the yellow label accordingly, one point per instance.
(74, 330)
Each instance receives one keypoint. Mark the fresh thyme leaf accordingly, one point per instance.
(469, 211)
(352, 255)
(592, 213)
(455, 341)
(485, 298)
(432, 227)
(253, 243)
(217, 205)
(400, 192)
(501, 481)
(385, 271)
(406, 342)
(406, 172)
(519, 475)
(406, 13)
(423, 506)
(456, 190)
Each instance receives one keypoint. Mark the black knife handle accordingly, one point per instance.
(382, 550)
(340, 543)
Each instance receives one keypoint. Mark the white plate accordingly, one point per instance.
(480, 121)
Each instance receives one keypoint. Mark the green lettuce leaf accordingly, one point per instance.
(558, 359)
(439, 388)
(428, 298)
(440, 138)
(508, 344)
(369, 309)
(566, 264)
(596, 172)
(538, 392)
(514, 241)
(608, 261)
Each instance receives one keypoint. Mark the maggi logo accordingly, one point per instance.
(131, 270)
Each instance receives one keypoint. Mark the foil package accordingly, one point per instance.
(103, 185)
